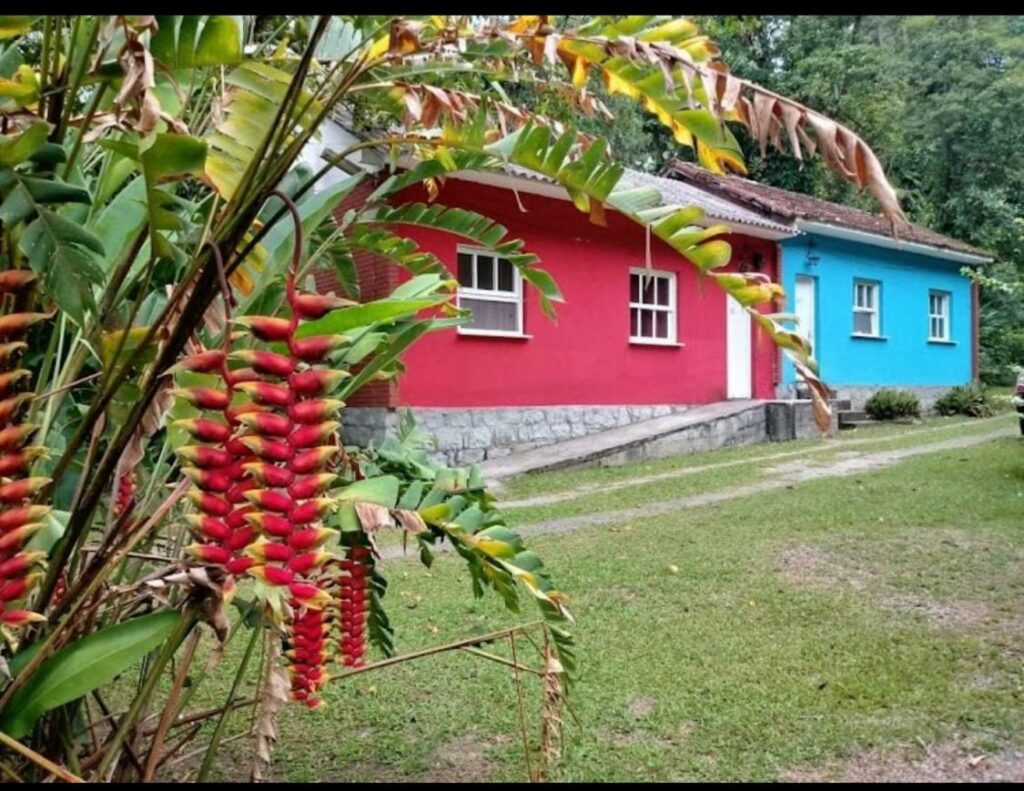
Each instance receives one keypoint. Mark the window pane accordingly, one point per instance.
(634, 322)
(862, 323)
(489, 315)
(634, 289)
(663, 291)
(646, 324)
(648, 294)
(485, 272)
(661, 324)
(465, 270)
(506, 280)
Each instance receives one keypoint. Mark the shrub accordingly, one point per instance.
(892, 404)
(971, 400)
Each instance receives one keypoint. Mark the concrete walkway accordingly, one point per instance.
(826, 445)
(786, 475)
(579, 451)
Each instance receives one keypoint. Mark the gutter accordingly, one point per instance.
(878, 240)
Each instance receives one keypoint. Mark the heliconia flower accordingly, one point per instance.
(316, 382)
(15, 618)
(203, 397)
(305, 562)
(269, 474)
(16, 588)
(311, 485)
(14, 281)
(204, 429)
(216, 481)
(239, 565)
(309, 595)
(268, 393)
(239, 375)
(16, 491)
(10, 378)
(9, 350)
(270, 550)
(14, 539)
(270, 449)
(205, 362)
(15, 324)
(273, 575)
(271, 524)
(236, 492)
(209, 553)
(14, 518)
(208, 527)
(125, 495)
(267, 423)
(240, 538)
(209, 503)
(9, 407)
(310, 538)
(266, 328)
(313, 306)
(266, 362)
(310, 510)
(13, 437)
(205, 457)
(313, 434)
(315, 349)
(13, 463)
(21, 563)
(314, 410)
(311, 460)
(271, 500)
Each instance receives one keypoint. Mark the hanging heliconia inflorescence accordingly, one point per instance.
(353, 597)
(260, 465)
(19, 519)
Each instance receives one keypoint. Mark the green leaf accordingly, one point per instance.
(11, 26)
(173, 155)
(53, 528)
(382, 491)
(338, 322)
(83, 666)
(15, 149)
(219, 41)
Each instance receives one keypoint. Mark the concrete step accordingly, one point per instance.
(703, 427)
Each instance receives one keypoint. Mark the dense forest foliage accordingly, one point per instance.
(940, 98)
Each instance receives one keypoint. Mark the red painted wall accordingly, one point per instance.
(585, 356)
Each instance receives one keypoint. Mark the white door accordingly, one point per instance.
(738, 325)
(806, 310)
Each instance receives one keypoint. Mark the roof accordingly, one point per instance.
(793, 207)
(673, 191)
(715, 207)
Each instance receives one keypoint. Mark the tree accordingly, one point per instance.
(155, 246)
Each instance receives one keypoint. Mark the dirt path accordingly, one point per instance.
(610, 486)
(779, 477)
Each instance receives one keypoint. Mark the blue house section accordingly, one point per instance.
(903, 353)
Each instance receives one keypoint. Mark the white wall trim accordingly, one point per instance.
(878, 240)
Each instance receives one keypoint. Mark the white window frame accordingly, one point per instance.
(945, 298)
(670, 309)
(875, 312)
(491, 295)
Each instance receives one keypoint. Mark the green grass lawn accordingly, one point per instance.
(804, 627)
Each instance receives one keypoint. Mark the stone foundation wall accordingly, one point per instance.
(858, 394)
(469, 436)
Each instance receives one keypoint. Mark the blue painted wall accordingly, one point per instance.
(905, 356)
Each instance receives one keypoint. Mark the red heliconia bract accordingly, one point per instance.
(352, 603)
(19, 519)
(313, 306)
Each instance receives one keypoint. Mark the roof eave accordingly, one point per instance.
(881, 240)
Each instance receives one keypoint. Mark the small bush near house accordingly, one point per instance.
(971, 400)
(892, 404)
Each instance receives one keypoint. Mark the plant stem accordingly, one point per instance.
(211, 751)
(39, 760)
(174, 640)
(170, 707)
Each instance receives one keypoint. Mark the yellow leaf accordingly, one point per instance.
(579, 73)
(378, 48)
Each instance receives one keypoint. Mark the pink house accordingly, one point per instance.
(627, 345)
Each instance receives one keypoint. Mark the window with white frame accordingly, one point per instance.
(866, 295)
(492, 289)
(938, 315)
(652, 307)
